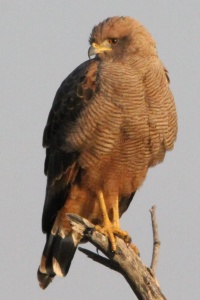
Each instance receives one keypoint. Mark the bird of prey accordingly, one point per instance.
(112, 118)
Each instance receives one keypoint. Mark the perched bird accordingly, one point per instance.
(112, 118)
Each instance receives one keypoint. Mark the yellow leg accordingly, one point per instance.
(103, 208)
(116, 214)
(120, 233)
(108, 228)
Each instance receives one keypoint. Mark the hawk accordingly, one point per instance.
(112, 118)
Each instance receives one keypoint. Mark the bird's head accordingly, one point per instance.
(116, 37)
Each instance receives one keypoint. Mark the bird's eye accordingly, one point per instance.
(113, 41)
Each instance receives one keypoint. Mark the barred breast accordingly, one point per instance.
(128, 126)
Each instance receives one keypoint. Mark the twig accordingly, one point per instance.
(127, 262)
(100, 259)
(156, 241)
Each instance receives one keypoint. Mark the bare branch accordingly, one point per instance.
(127, 262)
(100, 259)
(156, 240)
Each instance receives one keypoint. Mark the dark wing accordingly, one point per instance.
(124, 203)
(61, 166)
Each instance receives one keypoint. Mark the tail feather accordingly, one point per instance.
(44, 279)
(64, 254)
(57, 256)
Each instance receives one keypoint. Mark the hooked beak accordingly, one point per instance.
(95, 48)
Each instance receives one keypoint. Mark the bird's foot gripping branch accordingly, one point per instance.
(125, 260)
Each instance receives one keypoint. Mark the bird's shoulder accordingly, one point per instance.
(72, 96)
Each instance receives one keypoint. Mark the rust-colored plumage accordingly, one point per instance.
(112, 118)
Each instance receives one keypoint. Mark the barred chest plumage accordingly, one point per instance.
(124, 129)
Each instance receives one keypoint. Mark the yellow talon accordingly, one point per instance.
(112, 229)
(107, 231)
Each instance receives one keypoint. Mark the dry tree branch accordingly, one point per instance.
(100, 259)
(156, 240)
(124, 261)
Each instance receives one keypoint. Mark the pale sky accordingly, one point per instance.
(41, 43)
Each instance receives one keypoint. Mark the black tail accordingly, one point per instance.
(57, 256)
